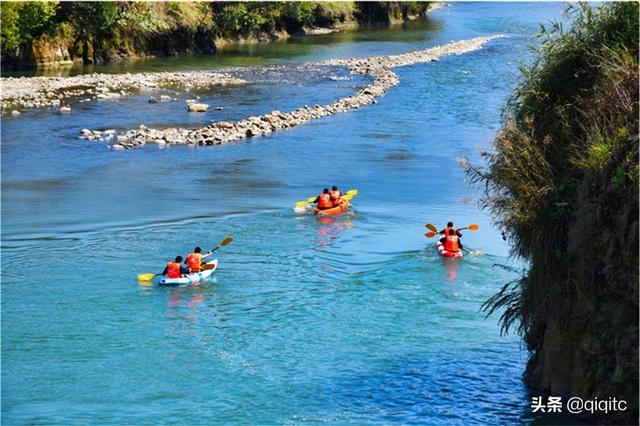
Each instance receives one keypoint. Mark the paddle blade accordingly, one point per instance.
(311, 199)
(430, 234)
(226, 241)
(352, 192)
(347, 197)
(301, 204)
(473, 227)
(432, 228)
(146, 277)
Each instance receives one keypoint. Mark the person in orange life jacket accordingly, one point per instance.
(323, 200)
(175, 269)
(335, 195)
(194, 260)
(451, 242)
(445, 231)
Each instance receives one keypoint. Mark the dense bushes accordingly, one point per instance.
(97, 31)
(563, 184)
(21, 22)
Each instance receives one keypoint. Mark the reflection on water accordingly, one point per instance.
(330, 227)
(295, 48)
(451, 266)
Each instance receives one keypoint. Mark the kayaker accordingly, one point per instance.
(175, 269)
(445, 231)
(323, 200)
(194, 260)
(335, 195)
(451, 242)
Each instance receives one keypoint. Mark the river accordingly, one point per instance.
(353, 319)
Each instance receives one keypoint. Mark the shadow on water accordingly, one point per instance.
(432, 384)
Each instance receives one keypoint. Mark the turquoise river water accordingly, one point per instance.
(353, 319)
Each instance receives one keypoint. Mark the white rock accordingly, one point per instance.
(65, 109)
(195, 107)
(165, 98)
(109, 95)
(15, 113)
(86, 132)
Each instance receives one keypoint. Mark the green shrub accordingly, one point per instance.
(21, 22)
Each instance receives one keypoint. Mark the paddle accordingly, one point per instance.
(434, 230)
(147, 277)
(350, 194)
(150, 276)
(222, 244)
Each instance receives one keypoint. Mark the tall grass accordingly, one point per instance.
(562, 183)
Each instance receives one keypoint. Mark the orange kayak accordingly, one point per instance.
(339, 209)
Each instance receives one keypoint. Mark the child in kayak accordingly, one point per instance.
(451, 242)
(194, 260)
(335, 195)
(175, 269)
(323, 200)
(445, 231)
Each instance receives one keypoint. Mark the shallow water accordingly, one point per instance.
(352, 319)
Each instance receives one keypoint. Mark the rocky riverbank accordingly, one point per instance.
(380, 68)
(33, 92)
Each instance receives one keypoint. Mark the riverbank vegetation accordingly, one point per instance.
(52, 32)
(563, 185)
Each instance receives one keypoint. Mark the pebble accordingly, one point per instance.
(36, 92)
(65, 109)
(196, 107)
(378, 67)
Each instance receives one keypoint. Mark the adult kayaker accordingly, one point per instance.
(445, 231)
(175, 269)
(194, 260)
(335, 195)
(323, 200)
(451, 242)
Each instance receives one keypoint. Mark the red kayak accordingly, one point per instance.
(339, 209)
(444, 253)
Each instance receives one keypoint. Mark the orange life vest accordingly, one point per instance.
(194, 260)
(173, 270)
(446, 230)
(335, 195)
(324, 201)
(452, 243)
